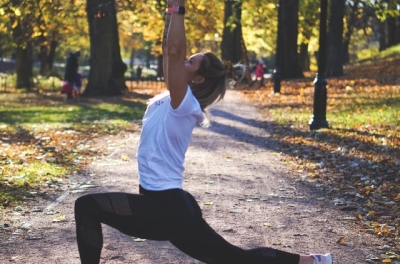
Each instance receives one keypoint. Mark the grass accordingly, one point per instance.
(44, 138)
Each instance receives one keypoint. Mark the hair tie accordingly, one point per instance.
(228, 67)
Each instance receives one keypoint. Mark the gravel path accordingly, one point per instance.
(245, 192)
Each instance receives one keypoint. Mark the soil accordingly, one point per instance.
(234, 171)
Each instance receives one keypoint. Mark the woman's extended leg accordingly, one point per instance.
(204, 244)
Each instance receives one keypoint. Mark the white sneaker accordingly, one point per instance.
(323, 259)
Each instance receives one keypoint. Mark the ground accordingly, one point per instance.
(234, 171)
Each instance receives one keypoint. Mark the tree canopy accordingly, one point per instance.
(46, 30)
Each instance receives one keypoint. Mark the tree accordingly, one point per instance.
(259, 26)
(388, 13)
(106, 77)
(231, 48)
(334, 65)
(308, 19)
(288, 22)
(21, 20)
(351, 17)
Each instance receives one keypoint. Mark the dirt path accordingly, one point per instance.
(231, 169)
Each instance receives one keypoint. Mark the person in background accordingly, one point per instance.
(163, 210)
(76, 92)
(71, 70)
(259, 74)
(139, 73)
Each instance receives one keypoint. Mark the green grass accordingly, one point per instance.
(61, 113)
(44, 138)
(374, 53)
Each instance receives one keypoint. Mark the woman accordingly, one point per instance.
(162, 210)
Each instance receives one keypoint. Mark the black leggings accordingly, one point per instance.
(172, 215)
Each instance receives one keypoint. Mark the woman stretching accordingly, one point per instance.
(162, 210)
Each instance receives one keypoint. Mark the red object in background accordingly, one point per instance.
(259, 72)
(67, 88)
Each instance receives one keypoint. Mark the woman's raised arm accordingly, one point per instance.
(175, 52)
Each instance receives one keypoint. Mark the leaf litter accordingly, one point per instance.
(357, 166)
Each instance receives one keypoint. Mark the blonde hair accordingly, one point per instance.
(217, 76)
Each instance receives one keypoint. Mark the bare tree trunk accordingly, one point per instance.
(231, 48)
(304, 57)
(289, 20)
(334, 65)
(391, 31)
(44, 67)
(382, 36)
(24, 66)
(106, 76)
(350, 26)
(245, 60)
(52, 54)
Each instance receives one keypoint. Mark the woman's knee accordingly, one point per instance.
(84, 204)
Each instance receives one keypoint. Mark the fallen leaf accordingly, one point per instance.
(124, 157)
(341, 241)
(60, 218)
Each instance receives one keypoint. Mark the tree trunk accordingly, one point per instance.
(52, 54)
(106, 76)
(391, 31)
(288, 21)
(304, 58)
(160, 69)
(382, 36)
(245, 61)
(397, 38)
(23, 52)
(231, 48)
(24, 64)
(334, 65)
(44, 67)
(350, 25)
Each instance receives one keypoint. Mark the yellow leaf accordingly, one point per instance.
(59, 218)
(17, 12)
(386, 261)
(341, 241)
(124, 157)
(15, 24)
(208, 203)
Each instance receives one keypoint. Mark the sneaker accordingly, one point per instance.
(323, 259)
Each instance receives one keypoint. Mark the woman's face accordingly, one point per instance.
(191, 66)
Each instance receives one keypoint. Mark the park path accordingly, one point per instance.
(234, 172)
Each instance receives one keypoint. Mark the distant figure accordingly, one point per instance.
(259, 74)
(139, 73)
(71, 70)
(76, 92)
